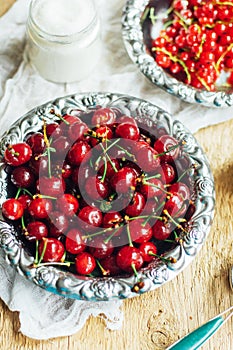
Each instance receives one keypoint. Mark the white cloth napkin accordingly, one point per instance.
(21, 89)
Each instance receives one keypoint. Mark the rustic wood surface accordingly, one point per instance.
(5, 5)
(201, 291)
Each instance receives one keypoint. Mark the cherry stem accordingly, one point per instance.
(43, 251)
(112, 235)
(12, 151)
(18, 193)
(156, 186)
(102, 269)
(129, 236)
(135, 271)
(120, 147)
(46, 140)
(28, 192)
(167, 151)
(43, 196)
(23, 223)
(98, 233)
(37, 252)
(157, 176)
(174, 222)
(62, 119)
(105, 151)
(105, 170)
(140, 217)
(193, 166)
(167, 260)
(112, 164)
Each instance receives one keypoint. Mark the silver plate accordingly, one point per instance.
(136, 48)
(108, 288)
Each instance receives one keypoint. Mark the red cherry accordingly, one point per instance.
(79, 153)
(139, 231)
(90, 218)
(112, 219)
(124, 180)
(58, 223)
(168, 145)
(54, 250)
(102, 133)
(136, 205)
(161, 231)
(67, 204)
(126, 119)
(182, 189)
(39, 165)
(127, 131)
(66, 170)
(147, 159)
(53, 130)
(36, 142)
(74, 243)
(96, 189)
(40, 208)
(62, 146)
(36, 230)
(109, 264)
(175, 205)
(100, 249)
(152, 188)
(22, 176)
(18, 154)
(128, 256)
(68, 121)
(12, 209)
(103, 116)
(148, 250)
(51, 186)
(168, 172)
(111, 168)
(77, 130)
(85, 263)
(25, 200)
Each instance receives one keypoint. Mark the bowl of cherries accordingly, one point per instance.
(103, 196)
(184, 47)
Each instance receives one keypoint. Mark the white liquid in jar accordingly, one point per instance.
(63, 38)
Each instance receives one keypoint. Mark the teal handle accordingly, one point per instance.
(197, 338)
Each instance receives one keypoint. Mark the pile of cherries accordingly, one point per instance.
(99, 193)
(196, 42)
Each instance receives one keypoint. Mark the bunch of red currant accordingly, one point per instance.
(196, 43)
(99, 193)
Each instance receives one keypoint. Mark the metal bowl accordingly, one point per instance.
(156, 274)
(137, 49)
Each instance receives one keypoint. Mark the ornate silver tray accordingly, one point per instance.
(108, 288)
(137, 50)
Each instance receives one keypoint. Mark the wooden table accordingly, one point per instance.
(201, 291)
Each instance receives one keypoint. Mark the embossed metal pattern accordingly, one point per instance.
(158, 272)
(136, 48)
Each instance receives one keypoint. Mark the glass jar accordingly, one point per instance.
(63, 40)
